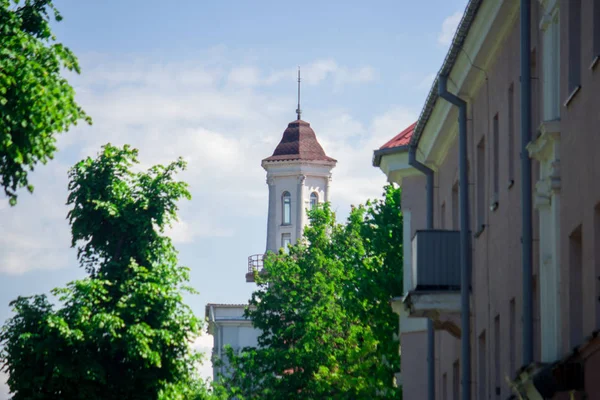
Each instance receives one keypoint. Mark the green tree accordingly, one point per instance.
(327, 328)
(381, 229)
(124, 331)
(36, 102)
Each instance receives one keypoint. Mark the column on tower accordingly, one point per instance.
(272, 215)
(327, 184)
(300, 207)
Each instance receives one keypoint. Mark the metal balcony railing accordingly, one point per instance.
(255, 263)
(436, 260)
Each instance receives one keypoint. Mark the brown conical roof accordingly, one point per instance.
(299, 142)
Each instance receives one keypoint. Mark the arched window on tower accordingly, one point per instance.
(314, 200)
(287, 208)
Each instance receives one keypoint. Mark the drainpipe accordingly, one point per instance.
(465, 256)
(412, 161)
(526, 200)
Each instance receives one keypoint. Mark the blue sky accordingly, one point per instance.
(214, 82)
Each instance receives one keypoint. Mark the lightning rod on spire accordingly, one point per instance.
(298, 110)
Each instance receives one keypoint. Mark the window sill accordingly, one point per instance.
(594, 62)
(480, 231)
(286, 224)
(572, 95)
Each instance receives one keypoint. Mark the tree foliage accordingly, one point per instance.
(36, 102)
(124, 331)
(323, 309)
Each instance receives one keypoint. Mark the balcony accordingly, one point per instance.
(255, 263)
(434, 288)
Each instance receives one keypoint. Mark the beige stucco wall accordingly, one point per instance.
(414, 367)
(580, 172)
(496, 251)
(496, 274)
(413, 343)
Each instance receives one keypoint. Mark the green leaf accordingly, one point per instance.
(124, 331)
(38, 103)
(327, 330)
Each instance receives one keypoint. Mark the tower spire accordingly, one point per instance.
(298, 110)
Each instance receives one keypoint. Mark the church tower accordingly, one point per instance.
(298, 176)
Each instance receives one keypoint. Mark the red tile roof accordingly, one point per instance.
(401, 139)
(299, 142)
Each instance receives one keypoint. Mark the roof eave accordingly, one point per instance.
(447, 66)
(329, 161)
(378, 154)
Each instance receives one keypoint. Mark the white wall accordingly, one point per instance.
(229, 327)
(300, 179)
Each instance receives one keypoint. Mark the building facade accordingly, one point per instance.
(298, 177)
(484, 68)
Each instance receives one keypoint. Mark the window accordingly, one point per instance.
(287, 208)
(497, 355)
(596, 22)
(575, 287)
(456, 380)
(455, 205)
(496, 171)
(286, 240)
(481, 185)
(511, 337)
(536, 325)
(314, 200)
(551, 64)
(511, 135)
(597, 260)
(574, 47)
(535, 95)
(443, 216)
(482, 368)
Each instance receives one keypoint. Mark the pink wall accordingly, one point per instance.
(414, 365)
(496, 274)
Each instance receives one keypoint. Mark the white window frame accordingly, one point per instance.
(286, 241)
(314, 200)
(286, 212)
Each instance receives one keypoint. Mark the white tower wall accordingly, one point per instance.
(299, 179)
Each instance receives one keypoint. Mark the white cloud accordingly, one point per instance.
(354, 178)
(195, 111)
(244, 76)
(39, 236)
(204, 345)
(317, 72)
(427, 81)
(449, 28)
(183, 232)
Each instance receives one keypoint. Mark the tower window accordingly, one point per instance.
(286, 241)
(314, 200)
(287, 208)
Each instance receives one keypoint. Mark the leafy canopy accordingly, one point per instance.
(124, 331)
(323, 309)
(36, 102)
